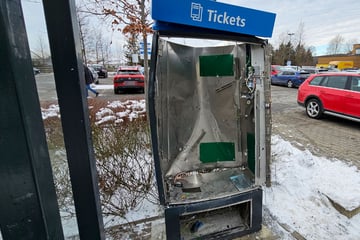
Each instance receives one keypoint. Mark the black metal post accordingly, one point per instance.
(64, 38)
(152, 118)
(28, 205)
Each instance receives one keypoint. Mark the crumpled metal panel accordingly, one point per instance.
(193, 109)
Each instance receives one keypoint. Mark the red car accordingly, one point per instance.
(129, 77)
(336, 93)
(275, 69)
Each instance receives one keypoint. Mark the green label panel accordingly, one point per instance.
(217, 152)
(216, 65)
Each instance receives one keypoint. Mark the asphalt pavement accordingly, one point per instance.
(47, 93)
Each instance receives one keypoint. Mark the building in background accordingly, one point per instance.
(353, 56)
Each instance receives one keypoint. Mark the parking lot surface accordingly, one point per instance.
(330, 137)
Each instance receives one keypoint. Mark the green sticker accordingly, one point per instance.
(216, 65)
(217, 152)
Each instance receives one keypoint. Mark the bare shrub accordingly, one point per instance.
(122, 152)
(124, 165)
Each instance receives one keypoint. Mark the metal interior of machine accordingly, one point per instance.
(228, 219)
(206, 120)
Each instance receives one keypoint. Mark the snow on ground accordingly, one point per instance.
(51, 111)
(144, 210)
(102, 86)
(301, 187)
(132, 110)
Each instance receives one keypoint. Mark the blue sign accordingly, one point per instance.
(142, 50)
(214, 15)
(142, 47)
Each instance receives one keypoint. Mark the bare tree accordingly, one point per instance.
(349, 45)
(101, 48)
(300, 33)
(94, 47)
(42, 51)
(84, 32)
(336, 45)
(129, 16)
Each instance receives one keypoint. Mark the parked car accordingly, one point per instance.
(357, 70)
(101, 70)
(94, 74)
(129, 77)
(310, 70)
(333, 93)
(289, 78)
(275, 69)
(292, 67)
(313, 70)
(36, 70)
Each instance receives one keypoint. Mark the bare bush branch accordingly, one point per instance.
(123, 159)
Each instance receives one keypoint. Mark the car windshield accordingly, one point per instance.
(97, 67)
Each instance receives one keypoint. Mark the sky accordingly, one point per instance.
(322, 20)
(297, 201)
(36, 28)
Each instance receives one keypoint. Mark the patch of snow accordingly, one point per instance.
(51, 111)
(297, 198)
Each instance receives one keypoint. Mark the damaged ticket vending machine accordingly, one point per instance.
(209, 110)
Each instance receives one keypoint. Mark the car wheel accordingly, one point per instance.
(116, 91)
(314, 108)
(290, 84)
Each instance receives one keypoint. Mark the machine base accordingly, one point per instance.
(224, 218)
